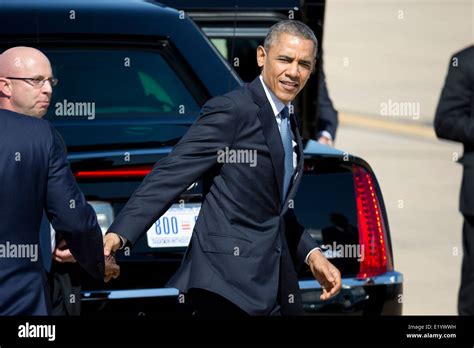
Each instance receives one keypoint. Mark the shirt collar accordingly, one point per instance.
(277, 104)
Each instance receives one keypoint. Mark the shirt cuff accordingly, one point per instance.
(123, 241)
(306, 260)
(325, 134)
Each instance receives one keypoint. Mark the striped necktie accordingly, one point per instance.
(285, 132)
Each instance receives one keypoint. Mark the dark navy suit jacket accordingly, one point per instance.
(327, 115)
(247, 245)
(35, 176)
(454, 118)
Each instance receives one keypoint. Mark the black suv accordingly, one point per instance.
(133, 77)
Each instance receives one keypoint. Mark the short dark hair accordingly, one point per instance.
(292, 27)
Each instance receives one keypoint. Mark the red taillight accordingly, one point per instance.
(130, 172)
(372, 236)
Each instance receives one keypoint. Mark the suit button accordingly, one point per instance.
(278, 250)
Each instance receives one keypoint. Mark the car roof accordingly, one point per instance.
(136, 16)
(38, 20)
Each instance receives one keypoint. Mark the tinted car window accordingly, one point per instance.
(117, 84)
(110, 98)
(245, 50)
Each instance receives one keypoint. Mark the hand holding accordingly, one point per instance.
(111, 243)
(62, 253)
(112, 270)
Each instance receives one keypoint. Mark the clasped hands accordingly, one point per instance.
(62, 254)
(111, 245)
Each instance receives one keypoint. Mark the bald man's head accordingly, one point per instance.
(20, 67)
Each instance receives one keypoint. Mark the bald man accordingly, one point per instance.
(36, 177)
(23, 71)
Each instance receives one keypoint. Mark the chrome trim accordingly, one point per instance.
(248, 15)
(126, 294)
(222, 32)
(389, 278)
(193, 185)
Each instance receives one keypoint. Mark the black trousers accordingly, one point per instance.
(466, 291)
(209, 305)
(65, 289)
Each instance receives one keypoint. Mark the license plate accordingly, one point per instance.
(175, 227)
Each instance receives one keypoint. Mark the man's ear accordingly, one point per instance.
(261, 55)
(5, 87)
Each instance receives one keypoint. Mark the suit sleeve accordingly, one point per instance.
(328, 120)
(69, 213)
(194, 155)
(452, 120)
(300, 242)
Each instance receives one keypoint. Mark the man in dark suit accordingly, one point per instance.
(64, 274)
(455, 121)
(35, 177)
(247, 245)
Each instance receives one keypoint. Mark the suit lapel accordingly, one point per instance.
(270, 131)
(275, 146)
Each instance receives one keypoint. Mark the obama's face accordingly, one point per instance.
(287, 65)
